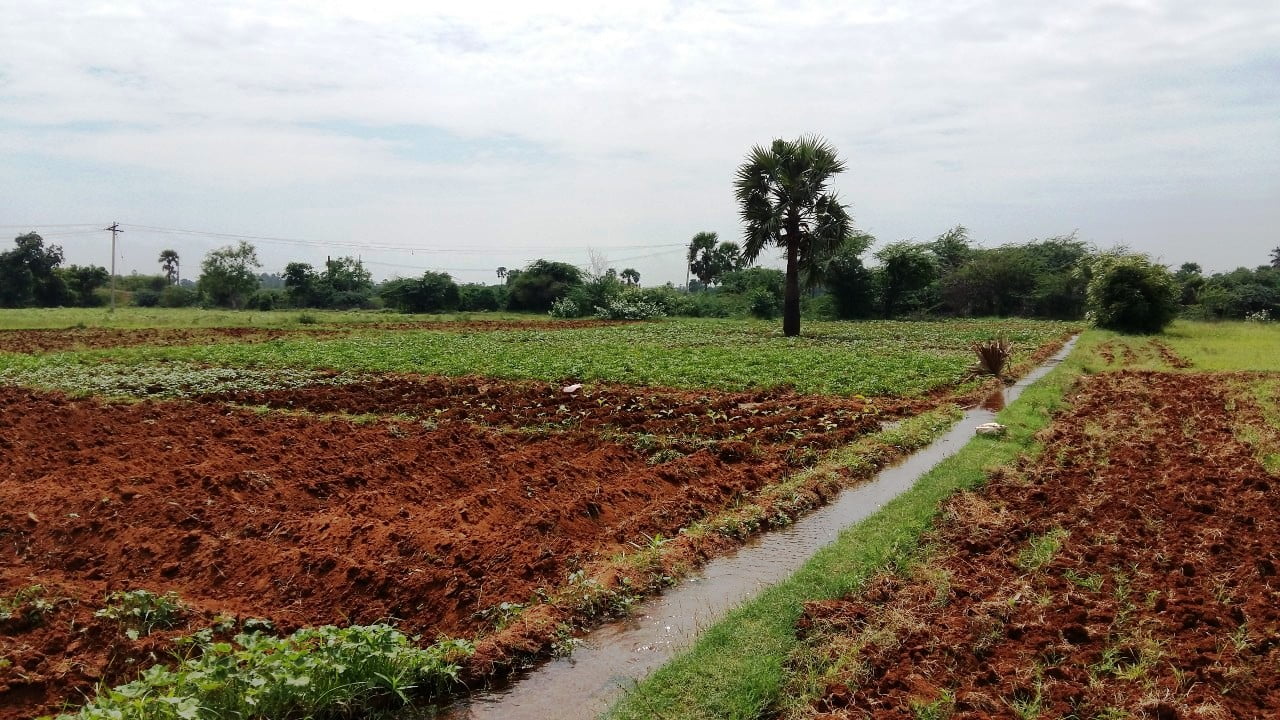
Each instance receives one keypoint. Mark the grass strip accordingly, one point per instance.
(736, 669)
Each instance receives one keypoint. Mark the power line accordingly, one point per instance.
(75, 229)
(37, 226)
(473, 269)
(70, 233)
(370, 246)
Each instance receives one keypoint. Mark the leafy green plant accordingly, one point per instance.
(315, 672)
(500, 615)
(142, 611)
(628, 306)
(26, 607)
(764, 304)
(565, 308)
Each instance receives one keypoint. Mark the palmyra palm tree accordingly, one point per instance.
(169, 263)
(784, 201)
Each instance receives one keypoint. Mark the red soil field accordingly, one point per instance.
(306, 521)
(41, 341)
(1161, 599)
(685, 417)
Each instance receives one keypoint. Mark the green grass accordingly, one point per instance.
(1227, 346)
(736, 668)
(136, 317)
(845, 358)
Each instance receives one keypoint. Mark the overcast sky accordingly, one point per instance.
(485, 133)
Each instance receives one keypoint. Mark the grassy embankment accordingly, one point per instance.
(736, 669)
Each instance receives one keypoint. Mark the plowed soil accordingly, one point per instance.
(41, 341)
(1153, 352)
(680, 417)
(306, 521)
(1154, 592)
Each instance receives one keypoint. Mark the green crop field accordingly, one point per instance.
(842, 358)
(135, 317)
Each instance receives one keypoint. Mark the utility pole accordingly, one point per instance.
(115, 228)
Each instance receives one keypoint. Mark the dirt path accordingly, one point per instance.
(1130, 572)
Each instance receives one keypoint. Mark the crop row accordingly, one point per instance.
(870, 358)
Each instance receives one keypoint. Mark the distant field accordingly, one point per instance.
(839, 358)
(135, 317)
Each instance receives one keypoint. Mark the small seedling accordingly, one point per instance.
(1041, 549)
(27, 607)
(142, 611)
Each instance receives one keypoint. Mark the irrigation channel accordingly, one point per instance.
(614, 657)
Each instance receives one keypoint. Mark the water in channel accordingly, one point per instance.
(615, 656)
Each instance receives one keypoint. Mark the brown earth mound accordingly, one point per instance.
(1129, 572)
(307, 521)
(42, 341)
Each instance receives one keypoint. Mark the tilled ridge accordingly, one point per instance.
(1130, 571)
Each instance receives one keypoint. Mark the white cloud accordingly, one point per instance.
(297, 118)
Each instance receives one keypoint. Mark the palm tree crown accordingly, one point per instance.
(784, 201)
(169, 263)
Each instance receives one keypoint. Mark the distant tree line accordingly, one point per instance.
(949, 275)
(32, 275)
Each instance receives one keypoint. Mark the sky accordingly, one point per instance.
(464, 136)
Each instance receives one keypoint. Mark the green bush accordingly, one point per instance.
(351, 300)
(474, 297)
(266, 300)
(1130, 294)
(596, 292)
(629, 306)
(565, 308)
(822, 307)
(176, 296)
(742, 282)
(764, 304)
(433, 292)
(850, 286)
(540, 284)
(146, 298)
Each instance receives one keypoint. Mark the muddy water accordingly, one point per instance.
(615, 656)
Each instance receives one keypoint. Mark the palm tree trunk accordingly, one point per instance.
(791, 293)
